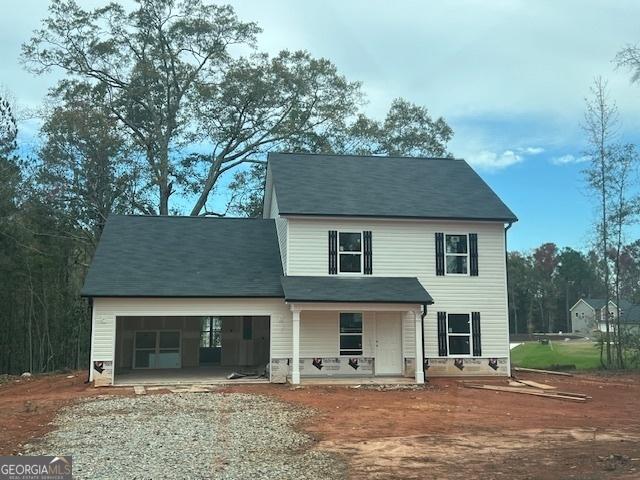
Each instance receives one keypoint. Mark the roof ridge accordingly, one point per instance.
(400, 157)
(193, 217)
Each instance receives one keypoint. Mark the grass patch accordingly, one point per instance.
(584, 355)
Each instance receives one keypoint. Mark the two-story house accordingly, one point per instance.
(589, 315)
(361, 266)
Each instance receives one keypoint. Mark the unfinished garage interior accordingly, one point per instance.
(194, 349)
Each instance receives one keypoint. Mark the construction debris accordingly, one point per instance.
(191, 389)
(513, 382)
(574, 397)
(531, 383)
(548, 372)
(140, 390)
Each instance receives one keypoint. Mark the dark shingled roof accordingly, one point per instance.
(631, 314)
(148, 256)
(361, 186)
(355, 289)
(598, 303)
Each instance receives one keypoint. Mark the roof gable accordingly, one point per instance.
(387, 187)
(169, 256)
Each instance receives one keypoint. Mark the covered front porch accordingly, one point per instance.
(343, 328)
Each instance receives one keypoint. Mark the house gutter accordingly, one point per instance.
(424, 354)
(88, 380)
(506, 276)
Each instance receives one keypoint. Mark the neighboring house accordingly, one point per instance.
(589, 314)
(360, 266)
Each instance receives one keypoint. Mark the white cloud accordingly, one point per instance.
(488, 160)
(569, 159)
(531, 150)
(491, 160)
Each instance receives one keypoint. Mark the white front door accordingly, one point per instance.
(388, 359)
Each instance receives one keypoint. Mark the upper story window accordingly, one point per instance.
(350, 252)
(457, 254)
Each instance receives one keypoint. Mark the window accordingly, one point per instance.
(210, 332)
(350, 252)
(459, 333)
(457, 254)
(351, 334)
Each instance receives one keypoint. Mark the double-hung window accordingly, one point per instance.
(351, 334)
(457, 254)
(350, 252)
(459, 333)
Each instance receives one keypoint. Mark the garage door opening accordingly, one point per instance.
(178, 350)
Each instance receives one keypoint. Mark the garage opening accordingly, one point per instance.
(174, 350)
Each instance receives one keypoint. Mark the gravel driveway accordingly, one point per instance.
(189, 435)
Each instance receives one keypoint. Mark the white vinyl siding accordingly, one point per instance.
(107, 309)
(585, 320)
(320, 333)
(407, 248)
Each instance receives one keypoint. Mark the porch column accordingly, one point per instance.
(419, 354)
(295, 367)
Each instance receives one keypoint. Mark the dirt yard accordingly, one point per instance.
(444, 430)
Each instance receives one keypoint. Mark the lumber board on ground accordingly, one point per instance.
(542, 386)
(516, 383)
(526, 391)
(548, 372)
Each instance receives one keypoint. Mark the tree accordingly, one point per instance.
(577, 278)
(87, 169)
(146, 62)
(407, 129)
(624, 207)
(290, 101)
(521, 292)
(9, 170)
(600, 126)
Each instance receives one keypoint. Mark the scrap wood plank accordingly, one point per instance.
(542, 386)
(548, 372)
(571, 394)
(516, 383)
(526, 391)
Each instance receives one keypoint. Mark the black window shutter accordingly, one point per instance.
(439, 254)
(475, 330)
(442, 334)
(333, 252)
(473, 254)
(368, 255)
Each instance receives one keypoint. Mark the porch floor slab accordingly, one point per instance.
(205, 375)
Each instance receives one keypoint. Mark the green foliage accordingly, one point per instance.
(545, 283)
(146, 61)
(583, 354)
(86, 169)
(168, 77)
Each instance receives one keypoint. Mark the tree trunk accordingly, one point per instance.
(212, 178)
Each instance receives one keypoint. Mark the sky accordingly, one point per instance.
(510, 78)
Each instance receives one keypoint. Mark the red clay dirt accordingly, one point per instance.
(28, 405)
(448, 431)
(441, 431)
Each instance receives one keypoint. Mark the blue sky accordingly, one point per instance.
(509, 76)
